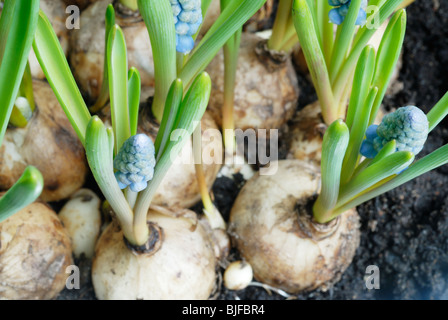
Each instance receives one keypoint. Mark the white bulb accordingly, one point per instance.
(238, 275)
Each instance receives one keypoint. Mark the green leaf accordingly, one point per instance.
(134, 90)
(376, 172)
(231, 54)
(172, 106)
(430, 162)
(438, 112)
(308, 39)
(387, 58)
(118, 83)
(55, 66)
(344, 39)
(99, 151)
(334, 146)
(104, 92)
(357, 135)
(21, 114)
(131, 4)
(280, 25)
(361, 84)
(17, 28)
(361, 40)
(230, 20)
(359, 110)
(26, 190)
(326, 30)
(159, 20)
(187, 119)
(386, 151)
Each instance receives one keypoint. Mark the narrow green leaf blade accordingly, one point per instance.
(158, 17)
(117, 61)
(230, 20)
(26, 190)
(386, 151)
(376, 172)
(134, 87)
(365, 33)
(438, 112)
(334, 146)
(361, 84)
(104, 92)
(55, 66)
(172, 106)
(430, 162)
(344, 39)
(17, 28)
(303, 22)
(357, 133)
(387, 58)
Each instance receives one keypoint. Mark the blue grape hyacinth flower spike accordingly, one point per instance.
(187, 20)
(338, 14)
(135, 163)
(408, 126)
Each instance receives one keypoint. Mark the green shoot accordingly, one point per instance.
(24, 192)
(390, 163)
(332, 58)
(55, 66)
(18, 25)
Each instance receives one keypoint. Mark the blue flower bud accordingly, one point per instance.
(135, 163)
(335, 17)
(408, 126)
(187, 18)
(336, 3)
(338, 14)
(184, 43)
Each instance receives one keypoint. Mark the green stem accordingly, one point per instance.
(131, 4)
(280, 25)
(158, 17)
(306, 31)
(231, 50)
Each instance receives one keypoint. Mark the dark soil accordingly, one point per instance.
(404, 232)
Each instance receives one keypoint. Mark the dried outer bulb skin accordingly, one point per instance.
(272, 227)
(34, 254)
(181, 265)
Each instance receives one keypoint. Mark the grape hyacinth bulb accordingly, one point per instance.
(187, 20)
(337, 15)
(135, 163)
(408, 126)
